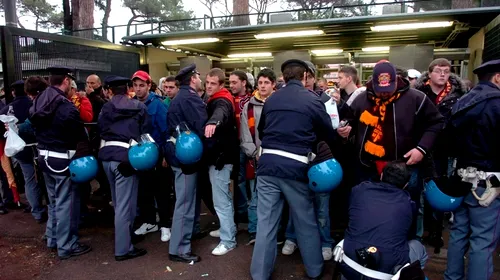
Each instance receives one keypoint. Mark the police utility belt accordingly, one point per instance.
(473, 176)
(46, 154)
(115, 144)
(339, 256)
(304, 159)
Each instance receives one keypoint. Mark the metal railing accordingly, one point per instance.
(153, 26)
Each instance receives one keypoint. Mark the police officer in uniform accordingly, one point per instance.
(282, 170)
(474, 132)
(61, 136)
(186, 108)
(122, 119)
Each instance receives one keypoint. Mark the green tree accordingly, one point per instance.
(320, 9)
(160, 11)
(45, 14)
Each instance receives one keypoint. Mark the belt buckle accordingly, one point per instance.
(311, 156)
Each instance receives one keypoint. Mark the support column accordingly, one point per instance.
(412, 56)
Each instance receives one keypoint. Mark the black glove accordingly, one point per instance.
(126, 169)
(219, 163)
(323, 153)
(83, 149)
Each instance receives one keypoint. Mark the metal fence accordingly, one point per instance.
(26, 53)
(153, 26)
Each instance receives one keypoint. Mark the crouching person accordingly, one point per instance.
(372, 238)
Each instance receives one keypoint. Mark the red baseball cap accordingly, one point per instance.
(142, 75)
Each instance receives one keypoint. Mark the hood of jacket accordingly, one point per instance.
(457, 85)
(483, 91)
(46, 103)
(257, 99)
(223, 93)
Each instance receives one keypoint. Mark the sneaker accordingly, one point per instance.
(288, 248)
(146, 228)
(327, 253)
(221, 249)
(165, 234)
(215, 233)
(251, 238)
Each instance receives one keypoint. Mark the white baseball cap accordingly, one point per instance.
(414, 74)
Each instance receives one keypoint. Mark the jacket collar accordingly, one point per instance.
(481, 92)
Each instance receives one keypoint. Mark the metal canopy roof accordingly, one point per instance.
(351, 33)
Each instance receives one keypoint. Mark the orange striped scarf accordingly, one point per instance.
(375, 119)
(443, 93)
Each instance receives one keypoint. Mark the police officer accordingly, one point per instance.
(122, 119)
(282, 170)
(59, 130)
(474, 135)
(186, 108)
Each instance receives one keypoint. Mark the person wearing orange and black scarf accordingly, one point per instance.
(392, 122)
(444, 89)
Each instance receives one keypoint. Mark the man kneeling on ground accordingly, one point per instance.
(380, 216)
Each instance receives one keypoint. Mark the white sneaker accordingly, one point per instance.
(327, 253)
(288, 248)
(221, 249)
(215, 233)
(165, 234)
(146, 228)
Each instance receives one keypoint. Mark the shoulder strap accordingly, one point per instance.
(251, 120)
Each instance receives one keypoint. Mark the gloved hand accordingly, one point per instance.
(323, 153)
(83, 149)
(126, 169)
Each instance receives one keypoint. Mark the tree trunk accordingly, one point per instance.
(68, 23)
(83, 18)
(105, 20)
(36, 23)
(241, 7)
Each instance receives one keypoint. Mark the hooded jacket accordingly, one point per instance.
(121, 119)
(222, 147)
(474, 129)
(57, 126)
(248, 145)
(56, 121)
(458, 89)
(414, 122)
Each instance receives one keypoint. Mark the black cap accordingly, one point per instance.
(60, 70)
(18, 83)
(115, 81)
(311, 68)
(186, 72)
(492, 66)
(294, 62)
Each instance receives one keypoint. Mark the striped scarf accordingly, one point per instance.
(446, 90)
(375, 120)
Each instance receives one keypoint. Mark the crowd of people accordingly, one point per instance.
(261, 135)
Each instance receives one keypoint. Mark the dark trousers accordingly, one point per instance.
(154, 186)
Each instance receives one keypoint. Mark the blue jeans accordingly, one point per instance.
(477, 229)
(321, 208)
(223, 203)
(240, 195)
(252, 207)
(33, 190)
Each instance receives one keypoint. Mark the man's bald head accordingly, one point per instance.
(93, 81)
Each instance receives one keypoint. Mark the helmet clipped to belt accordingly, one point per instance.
(144, 155)
(445, 194)
(188, 147)
(325, 173)
(83, 166)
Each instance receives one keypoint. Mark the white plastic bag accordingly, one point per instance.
(331, 109)
(14, 143)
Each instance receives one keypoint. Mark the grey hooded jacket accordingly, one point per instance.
(248, 145)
